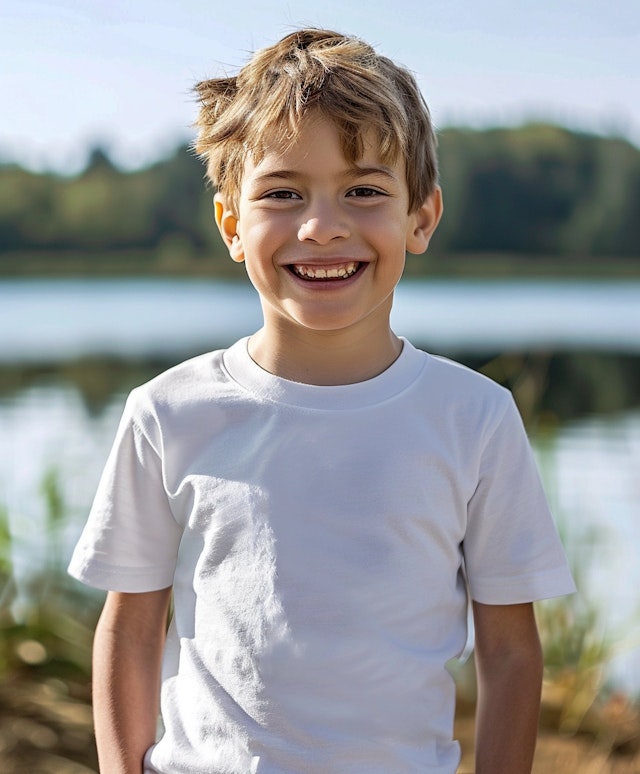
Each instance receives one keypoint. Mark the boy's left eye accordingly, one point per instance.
(365, 192)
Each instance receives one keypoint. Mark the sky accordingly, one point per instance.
(76, 74)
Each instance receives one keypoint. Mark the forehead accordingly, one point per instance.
(317, 140)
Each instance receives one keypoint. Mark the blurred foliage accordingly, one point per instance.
(553, 387)
(540, 190)
(156, 219)
(515, 200)
(549, 387)
(577, 647)
(46, 631)
(45, 606)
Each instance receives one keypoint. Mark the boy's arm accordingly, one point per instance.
(127, 655)
(509, 673)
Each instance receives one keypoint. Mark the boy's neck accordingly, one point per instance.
(324, 358)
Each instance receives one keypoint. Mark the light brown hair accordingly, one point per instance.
(344, 78)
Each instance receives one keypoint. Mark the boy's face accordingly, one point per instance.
(324, 240)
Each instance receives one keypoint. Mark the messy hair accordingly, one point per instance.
(312, 69)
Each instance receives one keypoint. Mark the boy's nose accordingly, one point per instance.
(324, 225)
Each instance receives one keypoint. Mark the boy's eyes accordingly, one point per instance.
(361, 191)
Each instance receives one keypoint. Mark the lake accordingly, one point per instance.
(590, 466)
(40, 319)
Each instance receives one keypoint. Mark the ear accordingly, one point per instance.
(227, 223)
(423, 222)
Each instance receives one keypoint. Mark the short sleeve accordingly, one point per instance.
(131, 538)
(511, 548)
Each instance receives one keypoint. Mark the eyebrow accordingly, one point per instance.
(366, 171)
(351, 173)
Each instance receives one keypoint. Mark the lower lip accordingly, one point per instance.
(329, 284)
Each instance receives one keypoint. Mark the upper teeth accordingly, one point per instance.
(333, 272)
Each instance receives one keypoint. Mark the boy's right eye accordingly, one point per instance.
(282, 194)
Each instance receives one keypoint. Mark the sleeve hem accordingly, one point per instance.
(528, 588)
(107, 577)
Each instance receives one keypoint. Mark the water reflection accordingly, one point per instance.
(590, 469)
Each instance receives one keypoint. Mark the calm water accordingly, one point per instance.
(590, 469)
(71, 318)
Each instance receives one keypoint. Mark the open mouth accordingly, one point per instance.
(336, 272)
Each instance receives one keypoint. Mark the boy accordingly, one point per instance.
(319, 497)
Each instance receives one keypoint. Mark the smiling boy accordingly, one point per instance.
(321, 499)
(324, 243)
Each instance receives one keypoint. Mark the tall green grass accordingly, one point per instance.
(46, 619)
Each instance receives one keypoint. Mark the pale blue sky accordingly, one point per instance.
(119, 72)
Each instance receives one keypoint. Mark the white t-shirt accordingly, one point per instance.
(315, 538)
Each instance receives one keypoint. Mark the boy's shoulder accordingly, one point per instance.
(188, 382)
(456, 380)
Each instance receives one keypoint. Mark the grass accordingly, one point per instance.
(46, 621)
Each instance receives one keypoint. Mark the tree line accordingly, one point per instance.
(537, 192)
